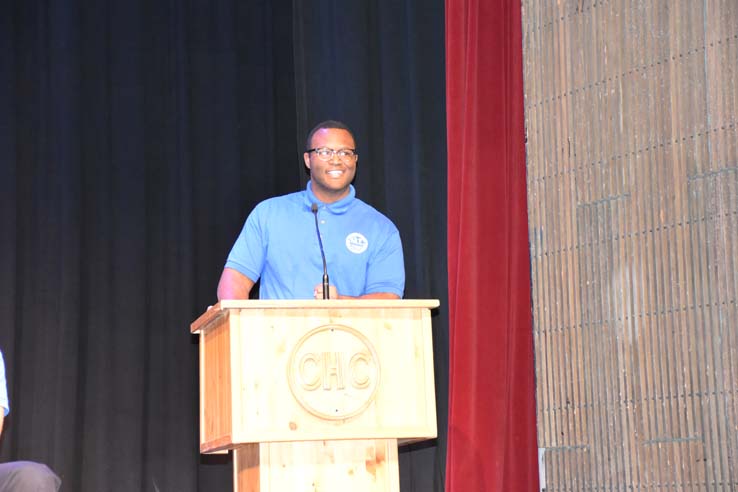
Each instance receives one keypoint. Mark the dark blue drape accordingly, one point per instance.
(135, 136)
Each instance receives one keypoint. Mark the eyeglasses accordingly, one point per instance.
(326, 154)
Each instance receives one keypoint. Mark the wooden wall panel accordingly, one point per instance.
(632, 160)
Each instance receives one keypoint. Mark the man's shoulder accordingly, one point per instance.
(371, 213)
(281, 202)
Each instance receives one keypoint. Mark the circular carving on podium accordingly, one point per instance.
(334, 372)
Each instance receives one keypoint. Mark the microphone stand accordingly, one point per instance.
(326, 283)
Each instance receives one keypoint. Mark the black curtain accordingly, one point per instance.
(135, 137)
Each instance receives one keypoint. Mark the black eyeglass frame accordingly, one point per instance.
(353, 155)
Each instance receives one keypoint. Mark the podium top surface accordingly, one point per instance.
(219, 308)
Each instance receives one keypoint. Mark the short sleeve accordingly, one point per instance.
(3, 387)
(249, 251)
(386, 270)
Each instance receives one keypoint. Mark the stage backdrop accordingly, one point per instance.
(135, 137)
(633, 191)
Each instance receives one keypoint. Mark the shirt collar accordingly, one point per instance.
(339, 207)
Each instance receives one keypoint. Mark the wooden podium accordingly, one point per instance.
(316, 395)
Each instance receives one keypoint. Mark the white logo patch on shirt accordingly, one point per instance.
(356, 242)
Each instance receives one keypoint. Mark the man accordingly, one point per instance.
(279, 242)
(22, 476)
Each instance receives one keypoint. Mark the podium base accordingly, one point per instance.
(317, 466)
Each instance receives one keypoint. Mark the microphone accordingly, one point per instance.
(326, 284)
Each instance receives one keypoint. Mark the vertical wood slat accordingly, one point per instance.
(632, 160)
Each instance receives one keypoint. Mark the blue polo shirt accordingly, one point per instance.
(279, 245)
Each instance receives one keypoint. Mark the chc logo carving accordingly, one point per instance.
(334, 372)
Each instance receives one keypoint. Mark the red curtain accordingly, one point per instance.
(492, 422)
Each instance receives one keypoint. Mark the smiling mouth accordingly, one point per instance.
(335, 173)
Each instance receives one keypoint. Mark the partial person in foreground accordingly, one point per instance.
(22, 476)
(280, 246)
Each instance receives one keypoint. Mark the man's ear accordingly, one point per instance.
(306, 158)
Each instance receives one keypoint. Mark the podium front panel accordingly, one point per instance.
(322, 370)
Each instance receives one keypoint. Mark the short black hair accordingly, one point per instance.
(328, 124)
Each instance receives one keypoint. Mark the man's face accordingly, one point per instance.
(331, 178)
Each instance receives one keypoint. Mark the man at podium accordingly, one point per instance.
(293, 241)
